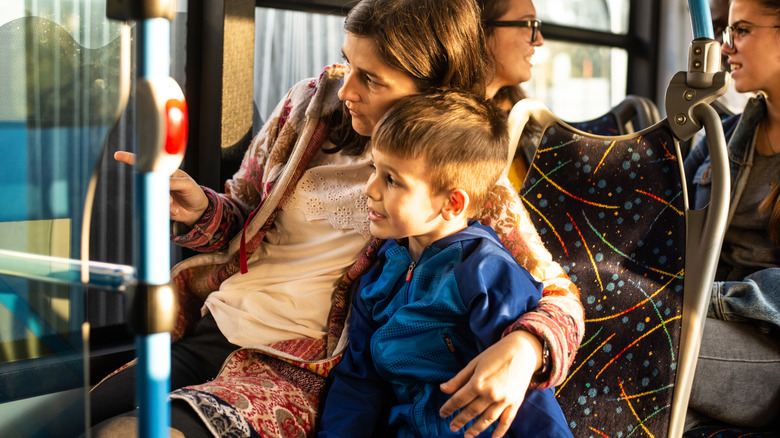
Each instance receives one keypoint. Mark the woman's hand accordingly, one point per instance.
(188, 202)
(493, 384)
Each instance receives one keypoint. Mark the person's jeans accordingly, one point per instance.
(737, 378)
(756, 298)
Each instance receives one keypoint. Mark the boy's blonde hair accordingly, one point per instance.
(463, 140)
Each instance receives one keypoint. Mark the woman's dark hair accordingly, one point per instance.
(507, 96)
(439, 43)
(771, 204)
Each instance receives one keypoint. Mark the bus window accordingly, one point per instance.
(600, 15)
(291, 46)
(60, 95)
(580, 81)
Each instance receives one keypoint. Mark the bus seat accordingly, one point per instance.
(631, 114)
(722, 110)
(613, 213)
(724, 431)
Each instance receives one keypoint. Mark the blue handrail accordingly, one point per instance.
(161, 134)
(152, 187)
(701, 18)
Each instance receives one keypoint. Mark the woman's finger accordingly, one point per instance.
(507, 417)
(490, 415)
(125, 157)
(461, 397)
(481, 408)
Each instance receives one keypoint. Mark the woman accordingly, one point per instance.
(300, 224)
(512, 33)
(740, 342)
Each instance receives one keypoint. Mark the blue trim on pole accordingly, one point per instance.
(154, 365)
(701, 18)
(154, 354)
(154, 43)
(154, 250)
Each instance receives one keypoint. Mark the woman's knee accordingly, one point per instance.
(124, 426)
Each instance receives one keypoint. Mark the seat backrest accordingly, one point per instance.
(632, 114)
(615, 230)
(612, 212)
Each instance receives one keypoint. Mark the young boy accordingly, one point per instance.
(445, 288)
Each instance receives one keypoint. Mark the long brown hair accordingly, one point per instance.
(507, 96)
(771, 204)
(439, 43)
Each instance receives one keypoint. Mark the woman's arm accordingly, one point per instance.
(482, 388)
(227, 212)
(490, 385)
(559, 318)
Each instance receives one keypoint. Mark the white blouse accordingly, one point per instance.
(318, 234)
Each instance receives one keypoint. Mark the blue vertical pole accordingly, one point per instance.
(152, 188)
(701, 18)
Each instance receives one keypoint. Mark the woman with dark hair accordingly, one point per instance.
(512, 33)
(263, 311)
(738, 373)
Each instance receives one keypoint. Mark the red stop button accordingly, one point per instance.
(176, 126)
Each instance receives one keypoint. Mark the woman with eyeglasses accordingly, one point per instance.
(264, 309)
(738, 374)
(732, 100)
(513, 32)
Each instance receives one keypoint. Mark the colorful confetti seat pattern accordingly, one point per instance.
(604, 125)
(612, 214)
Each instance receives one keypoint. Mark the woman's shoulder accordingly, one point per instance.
(321, 93)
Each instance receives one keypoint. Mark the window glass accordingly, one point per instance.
(601, 15)
(291, 46)
(60, 82)
(578, 82)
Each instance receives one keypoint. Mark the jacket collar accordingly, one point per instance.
(475, 230)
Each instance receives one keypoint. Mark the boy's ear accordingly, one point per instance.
(457, 203)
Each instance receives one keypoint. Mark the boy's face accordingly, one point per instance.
(401, 203)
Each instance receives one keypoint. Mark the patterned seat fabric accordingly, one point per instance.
(612, 214)
(604, 125)
(723, 431)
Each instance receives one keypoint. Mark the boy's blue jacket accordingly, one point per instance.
(415, 326)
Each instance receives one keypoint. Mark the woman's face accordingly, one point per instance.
(371, 86)
(755, 58)
(512, 48)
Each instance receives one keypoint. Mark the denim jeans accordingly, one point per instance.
(737, 377)
(756, 298)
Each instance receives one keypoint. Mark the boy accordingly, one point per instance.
(445, 288)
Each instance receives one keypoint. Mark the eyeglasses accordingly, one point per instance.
(535, 25)
(732, 33)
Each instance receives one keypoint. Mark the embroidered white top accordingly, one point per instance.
(319, 232)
